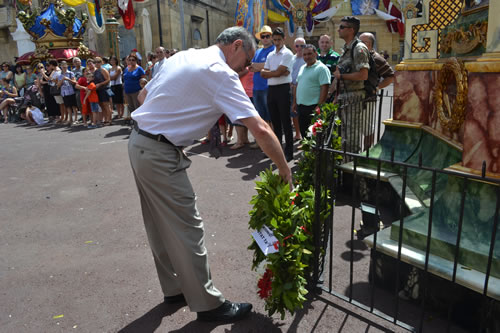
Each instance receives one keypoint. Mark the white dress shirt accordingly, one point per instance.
(189, 94)
(284, 57)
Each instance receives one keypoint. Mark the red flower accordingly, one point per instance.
(318, 110)
(264, 284)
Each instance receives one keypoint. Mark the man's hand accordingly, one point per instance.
(337, 73)
(269, 144)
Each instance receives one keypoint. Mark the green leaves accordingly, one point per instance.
(290, 215)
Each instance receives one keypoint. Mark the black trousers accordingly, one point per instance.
(305, 116)
(278, 104)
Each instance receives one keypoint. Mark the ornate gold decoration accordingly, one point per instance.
(299, 13)
(450, 105)
(83, 52)
(410, 11)
(41, 54)
(441, 14)
(463, 42)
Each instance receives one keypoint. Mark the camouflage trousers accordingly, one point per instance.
(354, 120)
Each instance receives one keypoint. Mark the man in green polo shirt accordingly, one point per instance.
(326, 54)
(312, 87)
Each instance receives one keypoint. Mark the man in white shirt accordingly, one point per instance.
(180, 105)
(160, 59)
(277, 71)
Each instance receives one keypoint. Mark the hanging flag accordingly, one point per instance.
(364, 7)
(128, 16)
(123, 4)
(98, 13)
(241, 12)
(397, 23)
(327, 14)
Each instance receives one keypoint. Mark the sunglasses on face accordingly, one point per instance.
(343, 26)
(265, 36)
(301, 46)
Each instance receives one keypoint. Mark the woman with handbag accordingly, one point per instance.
(56, 80)
(68, 93)
(50, 103)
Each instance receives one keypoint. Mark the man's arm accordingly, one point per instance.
(269, 144)
(142, 96)
(280, 71)
(323, 93)
(385, 82)
(357, 76)
(294, 100)
(256, 67)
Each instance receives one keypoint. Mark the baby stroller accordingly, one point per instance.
(32, 95)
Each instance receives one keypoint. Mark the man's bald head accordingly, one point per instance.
(160, 52)
(368, 39)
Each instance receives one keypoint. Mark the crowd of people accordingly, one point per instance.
(71, 94)
(284, 86)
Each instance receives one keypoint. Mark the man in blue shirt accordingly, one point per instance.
(259, 83)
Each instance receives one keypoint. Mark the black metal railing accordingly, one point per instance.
(346, 184)
(362, 125)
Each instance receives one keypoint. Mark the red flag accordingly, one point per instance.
(394, 25)
(128, 16)
(392, 10)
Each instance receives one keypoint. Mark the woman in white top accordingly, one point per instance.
(33, 115)
(115, 74)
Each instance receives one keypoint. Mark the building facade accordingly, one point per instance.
(203, 21)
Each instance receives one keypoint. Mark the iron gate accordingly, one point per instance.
(379, 284)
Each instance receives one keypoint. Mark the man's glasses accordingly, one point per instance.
(265, 36)
(249, 60)
(301, 46)
(343, 26)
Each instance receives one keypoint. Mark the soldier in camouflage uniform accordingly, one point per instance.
(352, 71)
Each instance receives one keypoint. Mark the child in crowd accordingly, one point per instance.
(142, 82)
(81, 85)
(33, 115)
(93, 99)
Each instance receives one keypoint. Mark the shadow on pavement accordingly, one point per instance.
(348, 313)
(150, 321)
(124, 131)
(256, 322)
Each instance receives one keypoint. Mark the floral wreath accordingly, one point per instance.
(290, 215)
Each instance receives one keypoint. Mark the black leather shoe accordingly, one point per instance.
(227, 312)
(174, 299)
(289, 157)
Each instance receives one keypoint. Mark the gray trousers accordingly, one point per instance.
(173, 225)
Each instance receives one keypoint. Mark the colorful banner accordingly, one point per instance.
(251, 14)
(364, 7)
